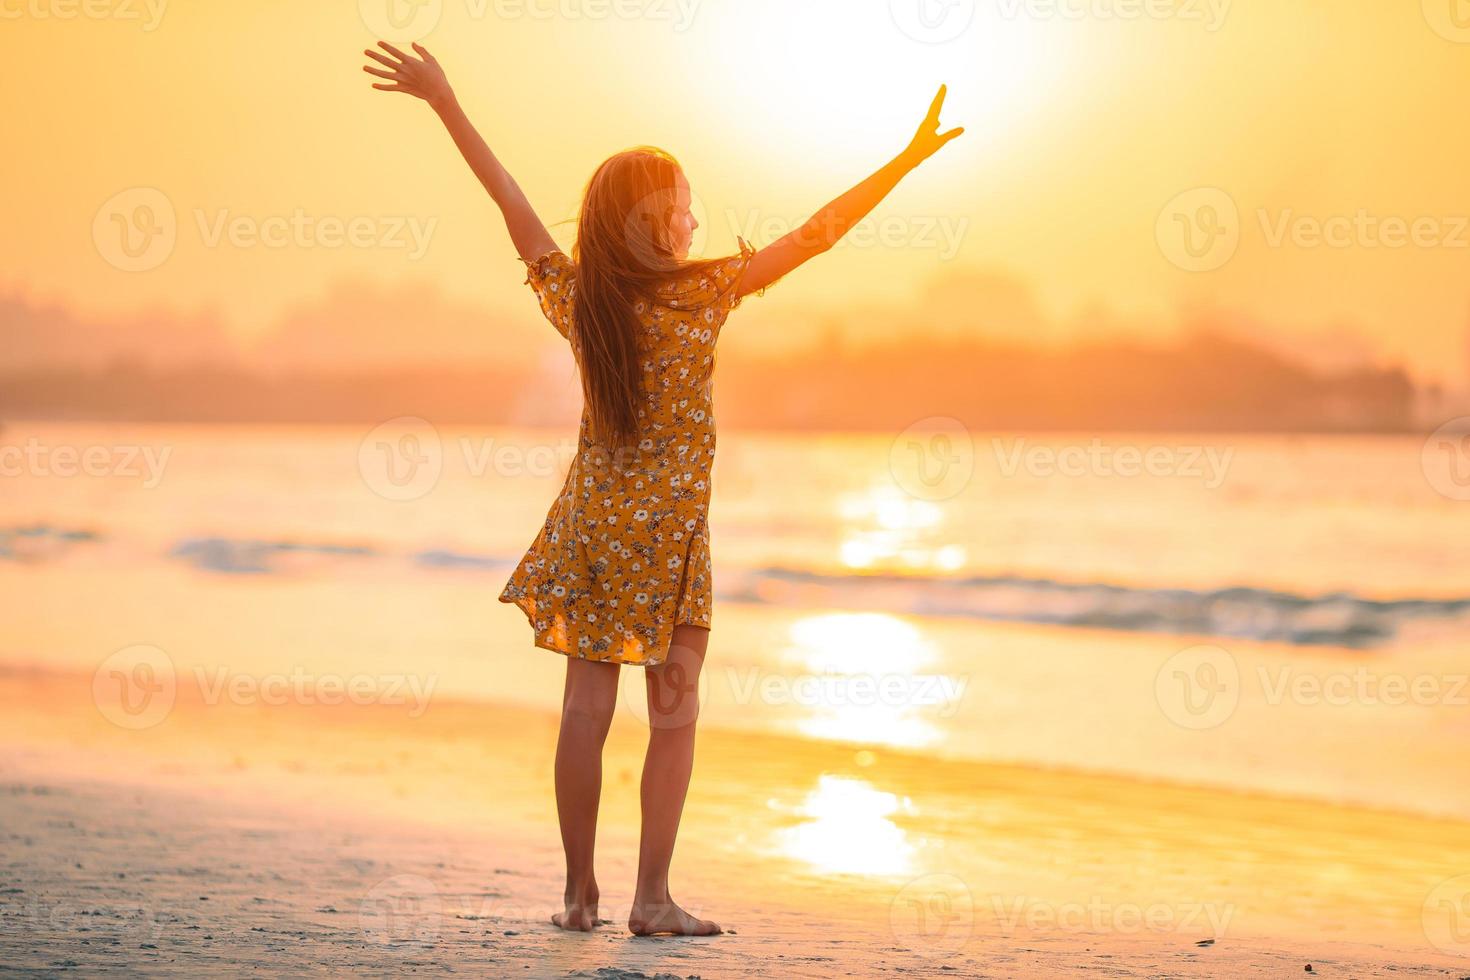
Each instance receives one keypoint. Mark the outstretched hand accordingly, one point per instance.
(420, 77)
(929, 140)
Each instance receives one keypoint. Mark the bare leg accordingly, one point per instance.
(673, 710)
(587, 706)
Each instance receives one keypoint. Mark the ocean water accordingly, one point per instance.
(1286, 613)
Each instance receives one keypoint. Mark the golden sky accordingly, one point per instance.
(1087, 120)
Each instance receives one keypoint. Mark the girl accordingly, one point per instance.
(620, 572)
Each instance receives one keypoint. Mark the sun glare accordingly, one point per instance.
(859, 642)
(866, 679)
(886, 530)
(856, 69)
(849, 830)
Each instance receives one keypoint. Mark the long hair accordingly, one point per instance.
(624, 252)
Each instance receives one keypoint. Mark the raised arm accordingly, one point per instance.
(828, 226)
(423, 78)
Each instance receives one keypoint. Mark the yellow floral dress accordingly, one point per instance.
(624, 554)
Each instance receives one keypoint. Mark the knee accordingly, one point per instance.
(588, 714)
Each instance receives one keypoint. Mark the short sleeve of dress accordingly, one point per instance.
(711, 289)
(727, 275)
(553, 278)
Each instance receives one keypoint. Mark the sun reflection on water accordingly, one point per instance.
(848, 830)
(867, 680)
(887, 530)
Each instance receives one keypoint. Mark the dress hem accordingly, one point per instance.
(540, 641)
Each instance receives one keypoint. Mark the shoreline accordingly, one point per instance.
(1078, 700)
(528, 717)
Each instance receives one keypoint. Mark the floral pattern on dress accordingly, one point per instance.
(624, 555)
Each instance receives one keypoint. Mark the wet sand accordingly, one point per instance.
(307, 838)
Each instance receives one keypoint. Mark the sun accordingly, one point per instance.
(836, 78)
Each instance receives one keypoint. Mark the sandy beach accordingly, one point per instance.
(311, 838)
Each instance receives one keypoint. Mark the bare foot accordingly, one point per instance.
(580, 914)
(667, 919)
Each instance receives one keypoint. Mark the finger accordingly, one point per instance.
(938, 104)
(380, 59)
(953, 134)
(394, 51)
(423, 52)
(392, 88)
(379, 72)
